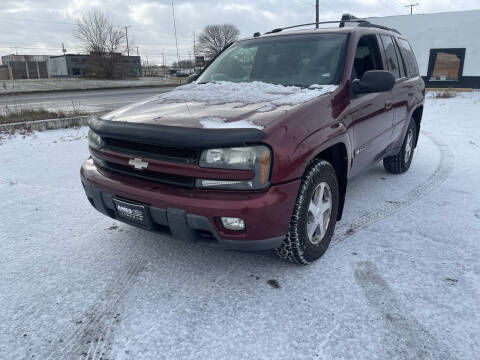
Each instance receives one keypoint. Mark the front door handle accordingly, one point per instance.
(388, 105)
(410, 93)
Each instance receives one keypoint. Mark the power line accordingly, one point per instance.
(388, 6)
(321, 3)
(36, 20)
(401, 3)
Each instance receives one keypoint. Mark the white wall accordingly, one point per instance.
(440, 30)
(57, 66)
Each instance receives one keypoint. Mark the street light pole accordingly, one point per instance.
(175, 29)
(126, 36)
(317, 13)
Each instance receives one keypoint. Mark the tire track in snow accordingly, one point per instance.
(405, 337)
(93, 338)
(441, 173)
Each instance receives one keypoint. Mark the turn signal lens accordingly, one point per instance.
(264, 166)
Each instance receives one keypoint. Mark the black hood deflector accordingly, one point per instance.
(175, 135)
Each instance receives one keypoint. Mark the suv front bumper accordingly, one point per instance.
(193, 214)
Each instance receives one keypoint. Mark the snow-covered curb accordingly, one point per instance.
(48, 124)
(17, 87)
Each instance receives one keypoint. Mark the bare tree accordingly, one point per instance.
(102, 40)
(215, 37)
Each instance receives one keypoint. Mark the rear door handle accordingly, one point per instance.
(388, 105)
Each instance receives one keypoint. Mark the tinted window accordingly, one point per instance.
(403, 72)
(391, 56)
(367, 57)
(285, 60)
(409, 57)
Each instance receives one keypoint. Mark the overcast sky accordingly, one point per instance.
(40, 26)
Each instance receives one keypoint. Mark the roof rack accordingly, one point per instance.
(345, 18)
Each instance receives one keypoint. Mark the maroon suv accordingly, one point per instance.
(257, 152)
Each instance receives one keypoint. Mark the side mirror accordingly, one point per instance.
(192, 78)
(374, 81)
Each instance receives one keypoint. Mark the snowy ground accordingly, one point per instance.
(40, 85)
(401, 279)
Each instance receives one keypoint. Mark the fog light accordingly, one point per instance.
(231, 223)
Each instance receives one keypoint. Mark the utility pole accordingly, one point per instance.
(126, 36)
(63, 49)
(175, 29)
(317, 13)
(164, 67)
(194, 46)
(411, 7)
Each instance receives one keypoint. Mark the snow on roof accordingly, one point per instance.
(246, 93)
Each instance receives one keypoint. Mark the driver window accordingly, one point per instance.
(367, 56)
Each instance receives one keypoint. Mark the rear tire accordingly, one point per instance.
(400, 162)
(314, 216)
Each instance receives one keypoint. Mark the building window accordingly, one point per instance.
(446, 64)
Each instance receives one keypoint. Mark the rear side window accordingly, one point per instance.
(403, 71)
(391, 56)
(409, 56)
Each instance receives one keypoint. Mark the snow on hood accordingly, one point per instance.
(224, 92)
(220, 123)
(219, 105)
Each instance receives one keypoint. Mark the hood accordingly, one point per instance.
(219, 105)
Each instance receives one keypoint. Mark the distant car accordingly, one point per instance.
(257, 153)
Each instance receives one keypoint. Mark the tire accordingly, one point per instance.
(400, 162)
(319, 180)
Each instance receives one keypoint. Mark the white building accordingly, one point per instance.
(447, 45)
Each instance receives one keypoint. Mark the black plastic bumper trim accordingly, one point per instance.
(174, 135)
(177, 223)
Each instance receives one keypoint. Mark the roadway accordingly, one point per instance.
(86, 100)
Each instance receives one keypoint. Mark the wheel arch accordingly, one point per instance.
(417, 116)
(337, 156)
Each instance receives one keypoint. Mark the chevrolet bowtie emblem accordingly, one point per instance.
(138, 164)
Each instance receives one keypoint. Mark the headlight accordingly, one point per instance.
(94, 140)
(255, 158)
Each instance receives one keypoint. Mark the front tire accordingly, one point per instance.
(400, 162)
(314, 216)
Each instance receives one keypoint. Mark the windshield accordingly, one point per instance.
(298, 60)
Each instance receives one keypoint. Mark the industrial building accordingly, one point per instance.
(71, 65)
(68, 65)
(24, 67)
(446, 46)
